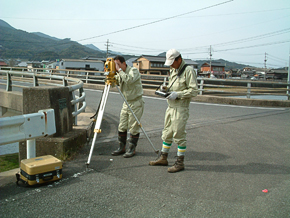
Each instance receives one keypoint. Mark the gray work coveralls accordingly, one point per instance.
(177, 113)
(131, 87)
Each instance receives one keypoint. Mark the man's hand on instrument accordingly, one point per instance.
(117, 67)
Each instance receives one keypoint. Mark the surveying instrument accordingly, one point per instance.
(110, 72)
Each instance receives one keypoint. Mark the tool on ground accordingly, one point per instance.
(110, 72)
(39, 170)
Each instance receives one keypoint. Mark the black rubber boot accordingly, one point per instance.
(122, 137)
(132, 146)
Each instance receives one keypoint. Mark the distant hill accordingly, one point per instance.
(21, 44)
(16, 44)
(91, 46)
(229, 65)
(45, 36)
(4, 24)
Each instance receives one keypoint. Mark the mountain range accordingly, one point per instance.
(19, 44)
(37, 46)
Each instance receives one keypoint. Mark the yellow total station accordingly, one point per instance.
(110, 71)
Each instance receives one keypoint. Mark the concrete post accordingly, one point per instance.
(46, 97)
(57, 98)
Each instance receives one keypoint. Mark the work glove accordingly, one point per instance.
(172, 96)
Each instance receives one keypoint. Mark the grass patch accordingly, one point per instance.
(9, 162)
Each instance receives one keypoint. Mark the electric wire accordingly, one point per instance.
(275, 33)
(120, 19)
(157, 21)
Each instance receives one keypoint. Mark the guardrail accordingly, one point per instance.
(27, 127)
(206, 86)
(74, 84)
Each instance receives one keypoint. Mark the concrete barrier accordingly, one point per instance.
(66, 140)
(10, 100)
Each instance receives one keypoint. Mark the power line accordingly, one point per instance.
(256, 37)
(282, 60)
(279, 32)
(148, 49)
(113, 19)
(283, 31)
(247, 12)
(252, 46)
(157, 21)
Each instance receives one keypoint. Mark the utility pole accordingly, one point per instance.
(288, 80)
(265, 65)
(107, 45)
(210, 54)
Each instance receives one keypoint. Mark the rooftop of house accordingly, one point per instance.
(3, 63)
(80, 60)
(151, 58)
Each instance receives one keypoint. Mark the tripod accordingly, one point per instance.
(110, 81)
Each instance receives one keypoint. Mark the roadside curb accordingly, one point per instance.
(7, 176)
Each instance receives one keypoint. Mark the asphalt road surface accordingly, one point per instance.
(236, 165)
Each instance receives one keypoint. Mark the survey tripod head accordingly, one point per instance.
(110, 71)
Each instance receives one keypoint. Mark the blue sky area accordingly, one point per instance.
(241, 31)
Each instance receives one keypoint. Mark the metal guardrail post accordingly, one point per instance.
(249, 90)
(81, 91)
(87, 77)
(201, 86)
(9, 83)
(74, 108)
(31, 148)
(64, 82)
(35, 81)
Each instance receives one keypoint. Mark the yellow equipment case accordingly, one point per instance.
(40, 170)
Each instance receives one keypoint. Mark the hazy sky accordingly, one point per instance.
(240, 30)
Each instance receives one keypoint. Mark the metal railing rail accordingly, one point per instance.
(27, 127)
(78, 101)
(205, 85)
